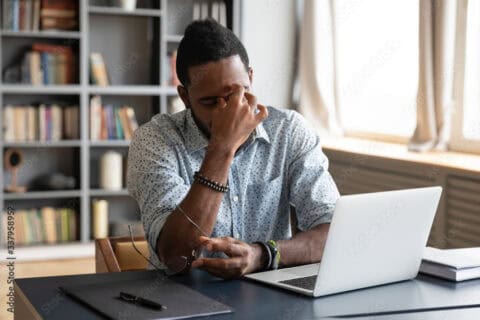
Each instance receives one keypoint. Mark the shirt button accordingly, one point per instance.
(235, 198)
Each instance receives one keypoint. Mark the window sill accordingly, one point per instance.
(447, 159)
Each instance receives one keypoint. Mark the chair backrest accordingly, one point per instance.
(117, 254)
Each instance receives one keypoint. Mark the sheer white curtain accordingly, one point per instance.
(440, 42)
(437, 66)
(318, 101)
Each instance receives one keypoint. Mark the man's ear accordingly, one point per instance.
(182, 92)
(250, 75)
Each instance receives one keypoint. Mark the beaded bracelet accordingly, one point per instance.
(210, 183)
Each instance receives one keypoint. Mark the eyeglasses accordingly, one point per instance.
(174, 266)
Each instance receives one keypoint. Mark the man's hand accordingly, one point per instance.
(234, 120)
(242, 258)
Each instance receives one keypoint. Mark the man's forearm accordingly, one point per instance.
(178, 235)
(305, 247)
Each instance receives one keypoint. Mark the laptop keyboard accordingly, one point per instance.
(303, 282)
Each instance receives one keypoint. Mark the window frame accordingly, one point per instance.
(360, 132)
(458, 142)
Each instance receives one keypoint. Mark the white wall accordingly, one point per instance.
(267, 31)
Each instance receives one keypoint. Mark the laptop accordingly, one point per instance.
(374, 239)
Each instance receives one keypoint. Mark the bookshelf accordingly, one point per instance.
(134, 45)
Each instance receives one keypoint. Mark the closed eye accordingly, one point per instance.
(208, 102)
(211, 101)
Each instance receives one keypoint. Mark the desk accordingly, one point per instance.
(39, 296)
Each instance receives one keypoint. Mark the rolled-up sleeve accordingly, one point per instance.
(153, 180)
(312, 190)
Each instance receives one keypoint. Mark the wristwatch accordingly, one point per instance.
(275, 254)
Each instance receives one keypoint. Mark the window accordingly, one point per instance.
(466, 121)
(377, 66)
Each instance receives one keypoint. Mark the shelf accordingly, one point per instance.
(43, 144)
(108, 193)
(149, 32)
(174, 38)
(41, 34)
(71, 250)
(41, 89)
(42, 195)
(120, 11)
(145, 90)
(110, 143)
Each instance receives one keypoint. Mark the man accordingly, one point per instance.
(222, 174)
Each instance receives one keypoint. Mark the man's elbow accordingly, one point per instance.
(176, 257)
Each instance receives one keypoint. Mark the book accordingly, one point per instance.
(98, 71)
(56, 123)
(57, 63)
(61, 64)
(111, 130)
(36, 74)
(40, 123)
(9, 123)
(110, 122)
(15, 14)
(36, 15)
(19, 124)
(22, 17)
(19, 229)
(124, 120)
(48, 218)
(25, 15)
(71, 122)
(118, 124)
(58, 23)
(104, 126)
(72, 225)
(31, 123)
(452, 264)
(48, 123)
(7, 17)
(95, 117)
(132, 120)
(45, 225)
(59, 15)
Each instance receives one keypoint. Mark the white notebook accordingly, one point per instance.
(452, 264)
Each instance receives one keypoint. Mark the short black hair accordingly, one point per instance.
(207, 41)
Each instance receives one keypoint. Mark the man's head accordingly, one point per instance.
(210, 60)
(206, 41)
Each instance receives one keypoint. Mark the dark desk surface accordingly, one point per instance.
(257, 301)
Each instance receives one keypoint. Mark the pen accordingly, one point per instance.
(128, 297)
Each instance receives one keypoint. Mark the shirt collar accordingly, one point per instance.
(195, 140)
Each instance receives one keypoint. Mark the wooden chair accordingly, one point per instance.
(117, 254)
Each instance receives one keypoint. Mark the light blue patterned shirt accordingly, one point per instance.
(281, 164)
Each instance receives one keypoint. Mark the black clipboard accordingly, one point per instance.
(181, 302)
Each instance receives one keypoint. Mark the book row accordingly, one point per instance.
(44, 225)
